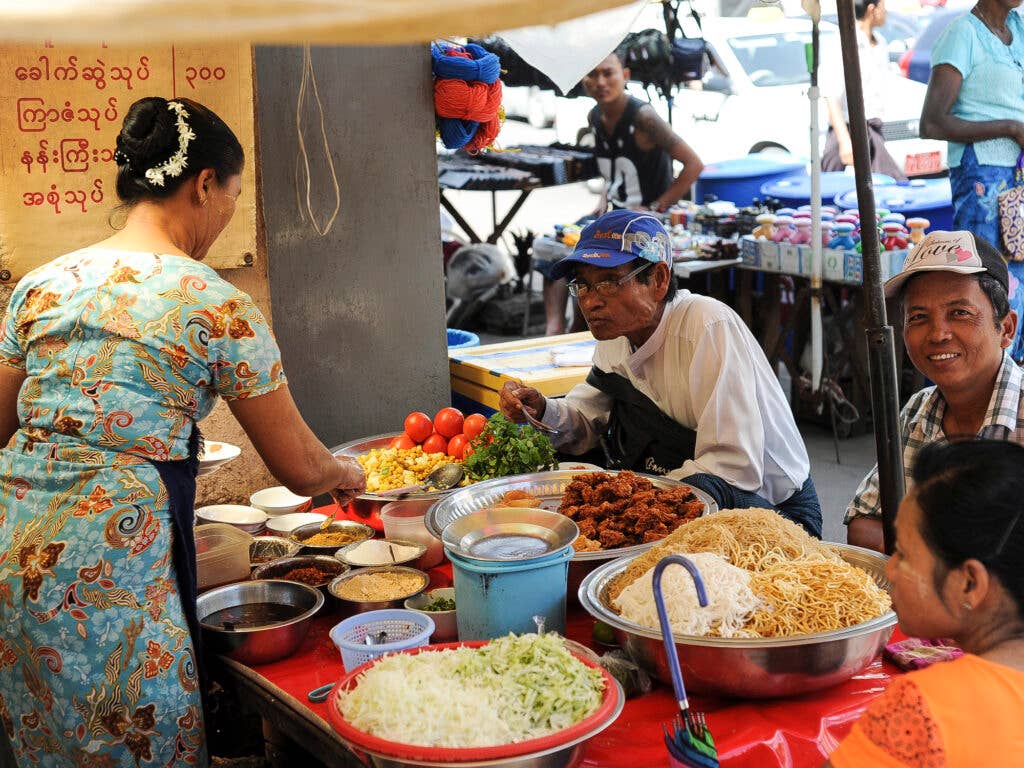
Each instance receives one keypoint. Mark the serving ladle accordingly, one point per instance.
(441, 479)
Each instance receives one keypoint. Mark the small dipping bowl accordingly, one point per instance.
(369, 602)
(283, 525)
(340, 533)
(244, 518)
(257, 622)
(278, 501)
(266, 548)
(280, 568)
(351, 553)
(445, 626)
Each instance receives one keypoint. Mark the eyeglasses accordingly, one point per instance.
(605, 288)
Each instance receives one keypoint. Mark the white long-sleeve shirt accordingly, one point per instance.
(703, 368)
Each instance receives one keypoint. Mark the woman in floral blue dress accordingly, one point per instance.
(108, 358)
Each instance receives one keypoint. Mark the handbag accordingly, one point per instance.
(690, 57)
(1011, 215)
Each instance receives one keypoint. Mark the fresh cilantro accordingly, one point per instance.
(505, 448)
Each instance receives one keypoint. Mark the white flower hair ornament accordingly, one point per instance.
(176, 164)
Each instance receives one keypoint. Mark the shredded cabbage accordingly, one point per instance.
(512, 689)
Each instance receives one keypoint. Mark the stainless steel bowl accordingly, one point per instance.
(345, 554)
(509, 533)
(266, 548)
(358, 606)
(278, 569)
(304, 532)
(753, 667)
(272, 618)
(369, 504)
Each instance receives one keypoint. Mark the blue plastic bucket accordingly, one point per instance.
(458, 339)
(740, 180)
(795, 190)
(930, 198)
(494, 598)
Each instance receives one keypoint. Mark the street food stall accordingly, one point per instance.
(283, 639)
(536, 553)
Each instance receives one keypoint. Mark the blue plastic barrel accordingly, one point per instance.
(929, 198)
(495, 597)
(740, 180)
(459, 339)
(795, 190)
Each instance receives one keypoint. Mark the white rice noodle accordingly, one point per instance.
(730, 599)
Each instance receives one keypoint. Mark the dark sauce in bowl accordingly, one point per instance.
(251, 616)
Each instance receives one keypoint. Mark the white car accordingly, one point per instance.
(755, 99)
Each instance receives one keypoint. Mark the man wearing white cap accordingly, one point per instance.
(679, 385)
(957, 328)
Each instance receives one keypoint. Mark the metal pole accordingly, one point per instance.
(881, 351)
(817, 343)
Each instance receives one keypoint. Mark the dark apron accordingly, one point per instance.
(640, 436)
(179, 478)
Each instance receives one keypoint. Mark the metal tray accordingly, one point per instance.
(363, 445)
(549, 488)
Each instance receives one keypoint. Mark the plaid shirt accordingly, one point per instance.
(921, 423)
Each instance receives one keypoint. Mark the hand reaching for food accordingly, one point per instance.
(351, 480)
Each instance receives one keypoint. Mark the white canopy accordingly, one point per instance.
(329, 22)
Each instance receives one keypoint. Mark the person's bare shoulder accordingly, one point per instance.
(654, 131)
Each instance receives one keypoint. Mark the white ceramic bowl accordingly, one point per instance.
(245, 518)
(445, 627)
(282, 525)
(277, 500)
(215, 455)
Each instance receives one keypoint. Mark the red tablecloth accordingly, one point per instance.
(794, 732)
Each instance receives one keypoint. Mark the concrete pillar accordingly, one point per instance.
(359, 314)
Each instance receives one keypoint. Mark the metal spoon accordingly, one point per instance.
(536, 423)
(378, 639)
(441, 479)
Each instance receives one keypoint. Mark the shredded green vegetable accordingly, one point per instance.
(513, 689)
(440, 604)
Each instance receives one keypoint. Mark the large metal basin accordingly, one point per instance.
(265, 643)
(756, 667)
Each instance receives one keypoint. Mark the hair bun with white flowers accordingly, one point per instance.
(164, 142)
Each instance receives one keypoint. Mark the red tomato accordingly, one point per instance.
(435, 444)
(418, 426)
(474, 425)
(457, 446)
(448, 422)
(402, 441)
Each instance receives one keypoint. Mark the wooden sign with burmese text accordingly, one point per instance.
(61, 108)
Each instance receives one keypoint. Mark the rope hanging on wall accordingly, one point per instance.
(467, 95)
(307, 84)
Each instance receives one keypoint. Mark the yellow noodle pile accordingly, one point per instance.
(804, 586)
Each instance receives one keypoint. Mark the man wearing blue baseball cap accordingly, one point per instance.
(679, 386)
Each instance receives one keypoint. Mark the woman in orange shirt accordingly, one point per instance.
(958, 571)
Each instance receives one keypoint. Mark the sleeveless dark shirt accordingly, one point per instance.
(624, 165)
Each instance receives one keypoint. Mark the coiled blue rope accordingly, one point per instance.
(484, 66)
(456, 133)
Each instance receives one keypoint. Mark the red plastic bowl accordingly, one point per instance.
(588, 726)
